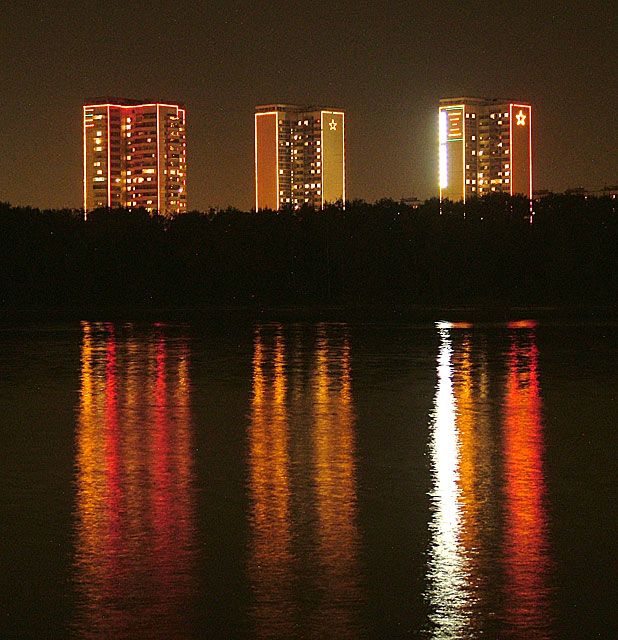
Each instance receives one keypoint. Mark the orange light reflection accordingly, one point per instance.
(526, 536)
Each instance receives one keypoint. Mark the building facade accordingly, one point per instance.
(299, 156)
(485, 147)
(135, 156)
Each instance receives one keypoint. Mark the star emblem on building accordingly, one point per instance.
(521, 118)
(333, 125)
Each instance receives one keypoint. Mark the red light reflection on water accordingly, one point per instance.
(134, 513)
(526, 537)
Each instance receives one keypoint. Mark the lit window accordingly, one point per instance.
(97, 164)
(473, 137)
(98, 148)
(507, 180)
(99, 172)
(129, 173)
(506, 166)
(99, 133)
(97, 140)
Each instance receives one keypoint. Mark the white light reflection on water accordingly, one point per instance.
(447, 573)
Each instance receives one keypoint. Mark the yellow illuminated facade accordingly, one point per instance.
(135, 156)
(299, 156)
(485, 147)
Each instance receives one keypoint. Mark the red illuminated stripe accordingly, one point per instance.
(343, 144)
(463, 150)
(529, 116)
(511, 145)
(85, 177)
(109, 165)
(158, 164)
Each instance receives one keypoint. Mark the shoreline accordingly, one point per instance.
(358, 314)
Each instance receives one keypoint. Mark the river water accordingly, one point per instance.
(439, 480)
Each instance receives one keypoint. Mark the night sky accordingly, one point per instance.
(386, 63)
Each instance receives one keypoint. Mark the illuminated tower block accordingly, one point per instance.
(135, 156)
(299, 156)
(485, 147)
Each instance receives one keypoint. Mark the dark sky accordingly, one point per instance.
(386, 63)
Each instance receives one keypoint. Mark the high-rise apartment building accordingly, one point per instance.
(135, 155)
(485, 147)
(299, 156)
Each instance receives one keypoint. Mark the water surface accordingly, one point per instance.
(320, 480)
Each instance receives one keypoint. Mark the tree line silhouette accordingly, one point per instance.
(490, 251)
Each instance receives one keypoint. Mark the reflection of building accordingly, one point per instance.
(302, 486)
(135, 156)
(485, 147)
(526, 547)
(134, 511)
(488, 556)
(299, 156)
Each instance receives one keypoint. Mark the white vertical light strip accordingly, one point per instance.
(442, 129)
(447, 576)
